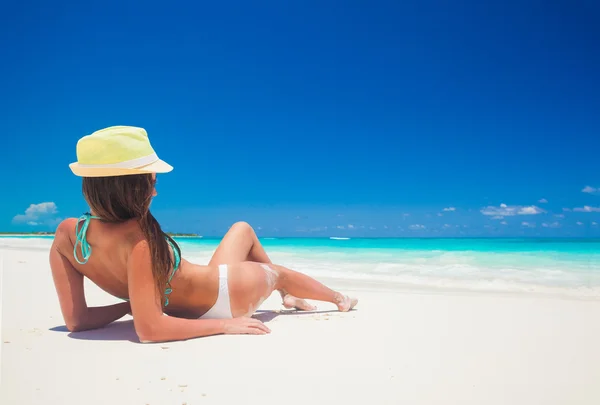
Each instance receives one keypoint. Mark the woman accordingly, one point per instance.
(121, 248)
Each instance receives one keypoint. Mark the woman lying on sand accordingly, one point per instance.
(121, 248)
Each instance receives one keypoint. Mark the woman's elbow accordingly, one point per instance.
(148, 338)
(147, 332)
(74, 326)
(75, 323)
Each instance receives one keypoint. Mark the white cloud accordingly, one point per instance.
(447, 226)
(591, 190)
(551, 225)
(567, 210)
(543, 201)
(506, 210)
(341, 227)
(440, 214)
(587, 208)
(559, 215)
(41, 208)
(350, 226)
(528, 224)
(503, 223)
(532, 210)
(450, 209)
(38, 214)
(498, 217)
(385, 227)
(416, 227)
(594, 223)
(579, 223)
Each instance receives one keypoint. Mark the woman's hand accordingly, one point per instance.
(245, 326)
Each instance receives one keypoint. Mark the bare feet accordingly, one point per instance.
(289, 301)
(345, 303)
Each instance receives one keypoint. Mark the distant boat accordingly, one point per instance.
(337, 238)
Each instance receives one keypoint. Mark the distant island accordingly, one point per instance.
(172, 234)
(183, 235)
(27, 233)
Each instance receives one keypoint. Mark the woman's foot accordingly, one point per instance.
(345, 303)
(291, 302)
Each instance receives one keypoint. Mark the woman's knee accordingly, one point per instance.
(242, 227)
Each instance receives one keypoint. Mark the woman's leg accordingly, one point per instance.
(240, 244)
(303, 286)
(250, 283)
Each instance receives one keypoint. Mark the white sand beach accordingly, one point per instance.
(400, 346)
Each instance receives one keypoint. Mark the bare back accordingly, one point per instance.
(194, 287)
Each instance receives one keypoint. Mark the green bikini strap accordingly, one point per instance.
(169, 290)
(80, 234)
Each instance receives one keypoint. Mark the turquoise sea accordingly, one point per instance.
(546, 265)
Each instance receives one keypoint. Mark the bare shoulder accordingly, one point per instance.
(139, 246)
(140, 250)
(66, 225)
(140, 254)
(64, 230)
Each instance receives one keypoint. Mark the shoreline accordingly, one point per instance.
(494, 283)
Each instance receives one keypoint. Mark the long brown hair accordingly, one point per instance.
(122, 198)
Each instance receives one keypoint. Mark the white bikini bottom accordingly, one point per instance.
(222, 308)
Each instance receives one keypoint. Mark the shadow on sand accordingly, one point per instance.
(267, 316)
(119, 330)
(125, 331)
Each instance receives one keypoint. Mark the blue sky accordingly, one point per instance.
(306, 117)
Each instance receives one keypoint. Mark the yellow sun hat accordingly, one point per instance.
(117, 151)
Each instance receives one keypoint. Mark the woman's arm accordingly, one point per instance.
(69, 287)
(151, 325)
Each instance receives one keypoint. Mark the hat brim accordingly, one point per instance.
(159, 166)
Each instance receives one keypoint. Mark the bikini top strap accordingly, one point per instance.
(80, 234)
(176, 257)
(169, 290)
